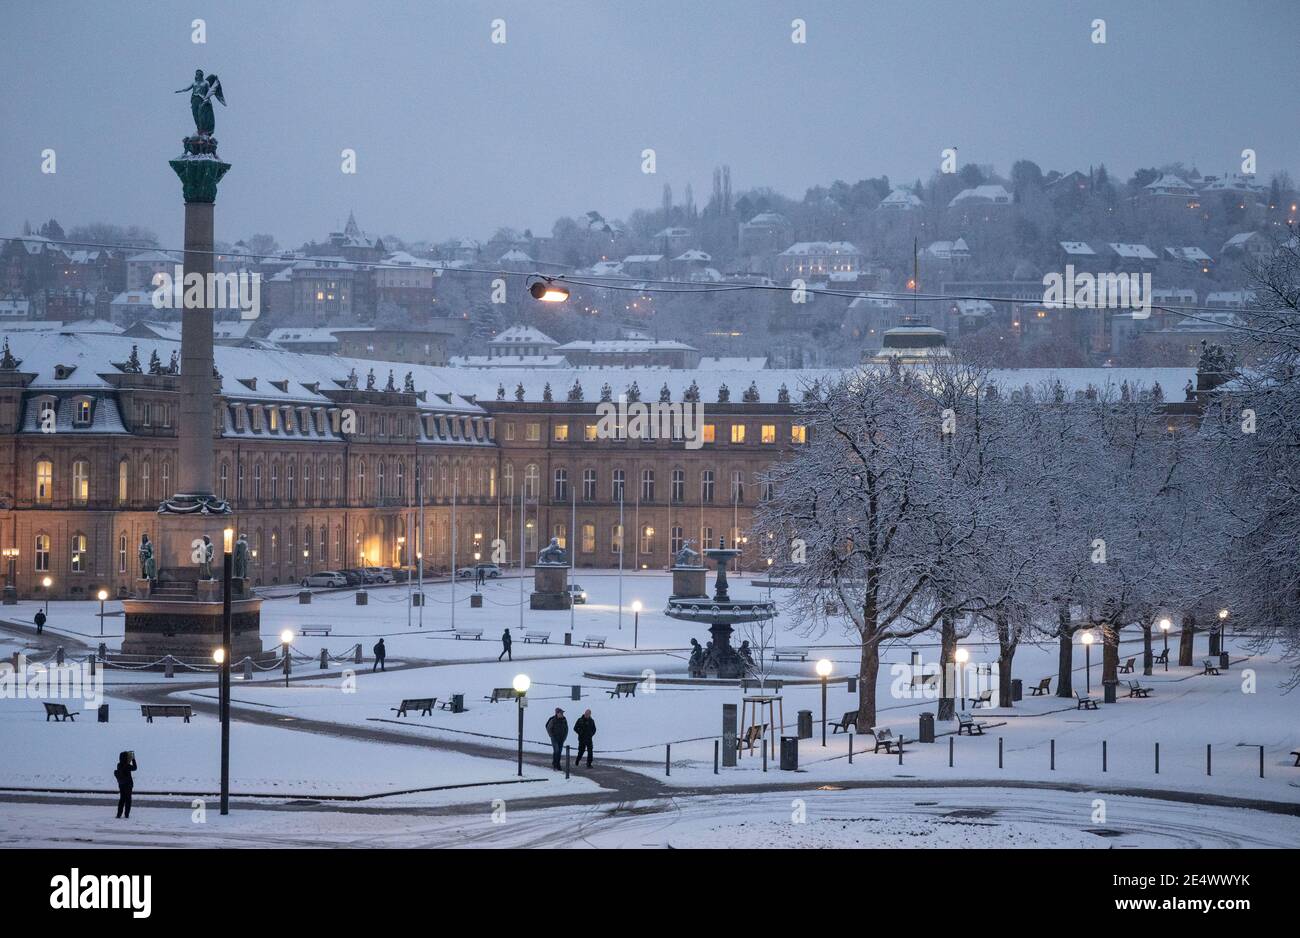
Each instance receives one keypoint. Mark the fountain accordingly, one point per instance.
(722, 613)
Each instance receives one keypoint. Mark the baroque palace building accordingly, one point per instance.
(325, 460)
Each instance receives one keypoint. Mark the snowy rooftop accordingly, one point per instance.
(526, 335)
(1133, 251)
(803, 248)
(985, 193)
(1078, 248)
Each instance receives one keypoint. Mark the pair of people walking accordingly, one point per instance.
(557, 729)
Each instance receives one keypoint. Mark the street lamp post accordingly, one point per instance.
(1216, 637)
(1165, 626)
(285, 638)
(962, 656)
(227, 568)
(521, 683)
(101, 596)
(636, 620)
(824, 672)
(11, 576)
(46, 583)
(1088, 639)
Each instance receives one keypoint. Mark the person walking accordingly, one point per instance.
(40, 621)
(585, 727)
(557, 728)
(480, 577)
(506, 642)
(380, 654)
(125, 783)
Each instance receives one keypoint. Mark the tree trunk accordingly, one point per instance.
(947, 664)
(1187, 641)
(1147, 654)
(867, 671)
(1006, 653)
(1109, 653)
(1065, 661)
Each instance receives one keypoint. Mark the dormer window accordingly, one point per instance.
(273, 415)
(82, 412)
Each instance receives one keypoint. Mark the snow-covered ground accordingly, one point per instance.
(356, 746)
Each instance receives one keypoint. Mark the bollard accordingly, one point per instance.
(356, 659)
(850, 747)
(999, 752)
(575, 692)
(324, 659)
(764, 753)
(728, 736)
(950, 748)
(1261, 761)
(248, 668)
(1157, 758)
(568, 751)
(900, 749)
(58, 656)
(1103, 755)
(169, 668)
(568, 638)
(668, 758)
(1053, 755)
(715, 757)
(1207, 760)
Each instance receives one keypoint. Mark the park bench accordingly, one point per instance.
(985, 698)
(1127, 666)
(1137, 690)
(59, 712)
(886, 738)
(594, 641)
(424, 705)
(149, 711)
(1042, 687)
(1162, 658)
(920, 680)
(321, 630)
(1084, 703)
(753, 736)
(543, 637)
(502, 693)
(849, 719)
(967, 722)
(1210, 667)
(800, 653)
(769, 685)
(475, 634)
(622, 688)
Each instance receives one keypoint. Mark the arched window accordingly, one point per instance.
(380, 474)
(679, 485)
(322, 480)
(337, 492)
(532, 480)
(44, 481)
(322, 549)
(706, 485)
(257, 481)
(508, 480)
(166, 478)
(647, 539)
(492, 481)
(338, 544)
(239, 481)
(561, 485)
(677, 539)
(80, 481)
(78, 553)
(361, 481)
(588, 485)
(401, 479)
(275, 482)
(290, 470)
(42, 553)
(123, 481)
(647, 485)
(737, 486)
(224, 479)
(121, 552)
(617, 481)
(146, 484)
(560, 532)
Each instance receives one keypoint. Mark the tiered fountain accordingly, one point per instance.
(722, 613)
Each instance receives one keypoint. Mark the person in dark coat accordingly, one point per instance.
(125, 783)
(380, 654)
(585, 727)
(506, 642)
(557, 728)
(40, 621)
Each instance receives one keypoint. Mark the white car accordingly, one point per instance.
(325, 578)
(381, 574)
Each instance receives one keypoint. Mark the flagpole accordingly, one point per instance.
(573, 548)
(454, 482)
(622, 548)
(523, 510)
(419, 554)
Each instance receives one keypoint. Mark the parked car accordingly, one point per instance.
(578, 594)
(325, 578)
(353, 577)
(380, 574)
(490, 570)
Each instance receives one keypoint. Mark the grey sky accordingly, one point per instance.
(456, 136)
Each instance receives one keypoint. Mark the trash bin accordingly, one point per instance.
(575, 692)
(568, 638)
(789, 753)
(926, 732)
(417, 599)
(1017, 689)
(476, 600)
(363, 598)
(1223, 661)
(1110, 690)
(805, 724)
(457, 703)
(103, 713)
(852, 684)
(304, 597)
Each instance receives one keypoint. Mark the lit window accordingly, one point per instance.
(738, 433)
(533, 432)
(80, 482)
(44, 481)
(561, 433)
(798, 433)
(710, 432)
(768, 433)
(589, 432)
(78, 553)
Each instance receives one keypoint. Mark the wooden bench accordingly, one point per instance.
(475, 634)
(543, 637)
(850, 719)
(1084, 703)
(1127, 666)
(800, 653)
(622, 688)
(886, 738)
(1137, 690)
(753, 737)
(424, 705)
(920, 680)
(967, 722)
(322, 630)
(1210, 667)
(502, 693)
(149, 711)
(985, 697)
(1162, 658)
(594, 641)
(59, 712)
(1042, 687)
